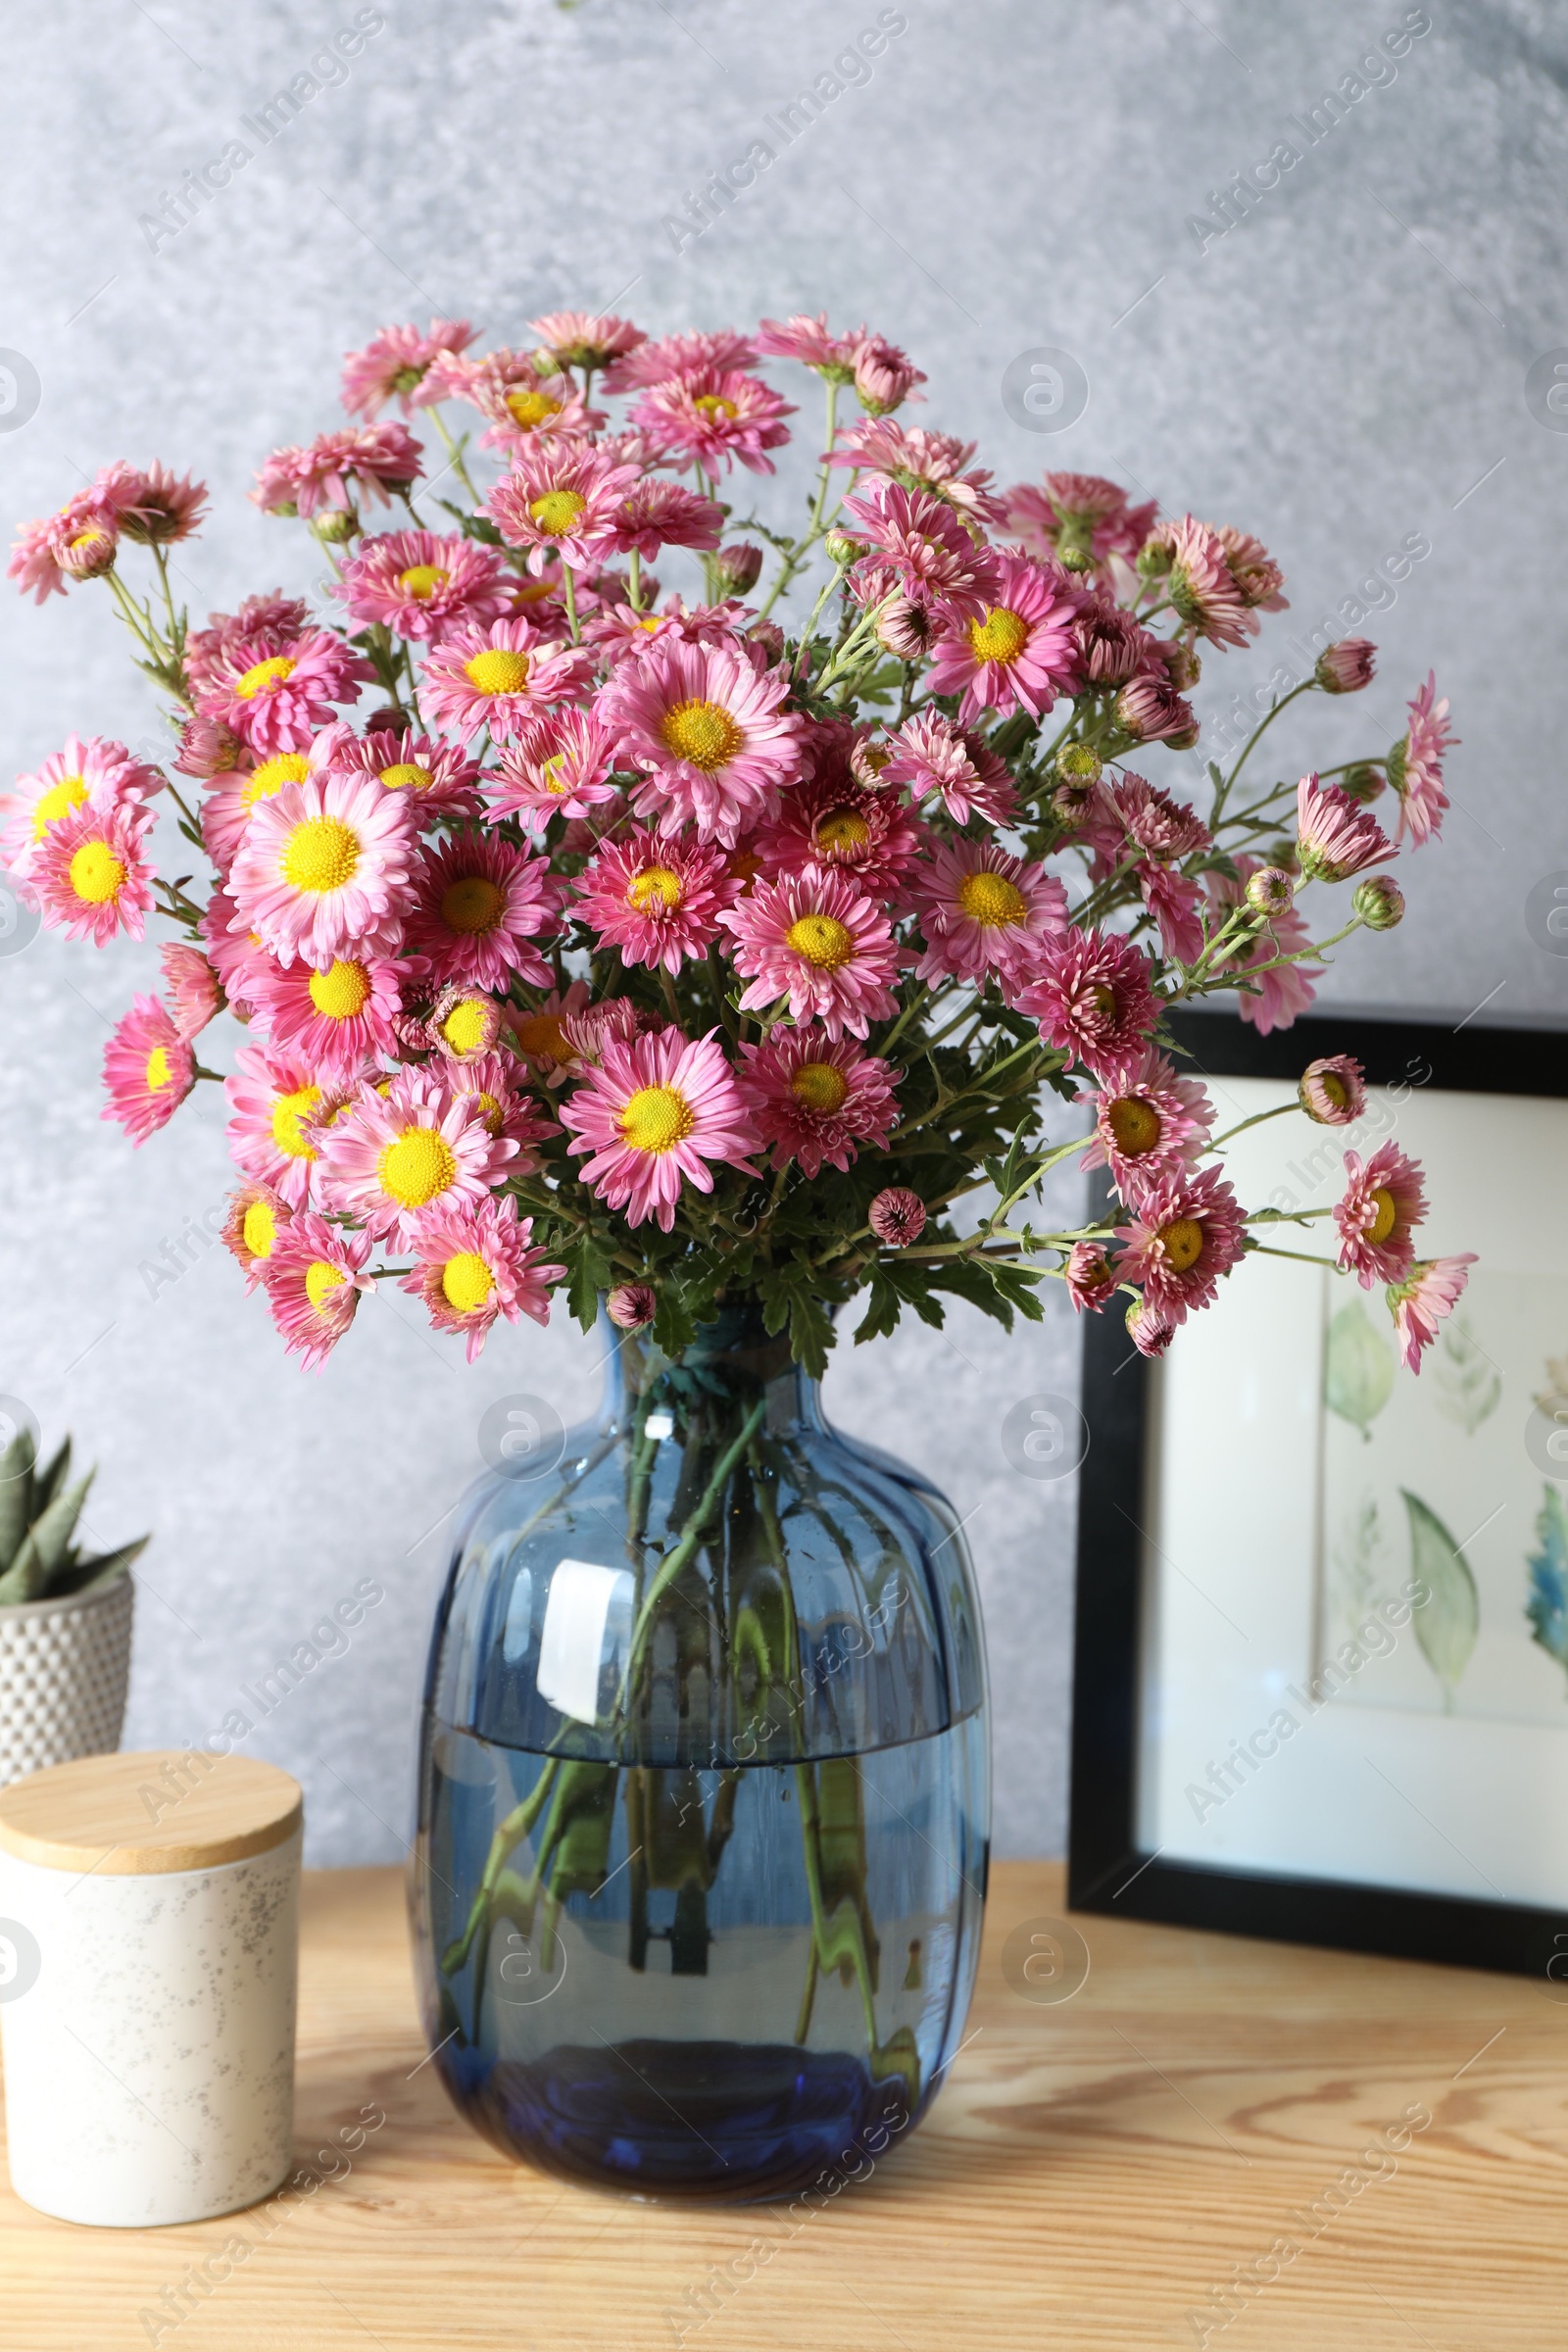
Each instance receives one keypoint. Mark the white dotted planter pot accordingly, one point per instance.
(63, 1667)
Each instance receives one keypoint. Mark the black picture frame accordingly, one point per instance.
(1108, 1871)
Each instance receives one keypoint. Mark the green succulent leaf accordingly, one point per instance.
(83, 1575)
(16, 1496)
(48, 1482)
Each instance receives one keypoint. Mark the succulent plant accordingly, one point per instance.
(39, 1514)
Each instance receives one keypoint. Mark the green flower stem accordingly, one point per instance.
(678, 1560)
(455, 451)
(1307, 686)
(570, 587)
(1256, 1121)
(508, 1833)
(1303, 1257)
(634, 579)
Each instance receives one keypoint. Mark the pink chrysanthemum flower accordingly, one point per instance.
(1278, 993)
(1150, 1331)
(1415, 765)
(896, 1216)
(392, 1159)
(815, 1099)
(933, 557)
(1200, 583)
(809, 340)
(1092, 998)
(209, 750)
(524, 401)
(394, 363)
(422, 586)
(1429, 1293)
(1021, 653)
(1130, 817)
(1345, 666)
(255, 1217)
(981, 911)
(79, 543)
(917, 460)
(438, 778)
(686, 355)
(1147, 1120)
(1332, 1090)
(884, 375)
(557, 766)
(271, 1135)
(613, 1020)
(1257, 576)
(1185, 1231)
(491, 1083)
(499, 679)
(1383, 1204)
(86, 773)
(193, 988)
(226, 811)
(313, 1277)
(586, 338)
(149, 1069)
(272, 614)
(151, 504)
(480, 903)
(563, 496)
(861, 830)
(708, 730)
(275, 691)
(88, 877)
(1333, 837)
(654, 1114)
(463, 1021)
(655, 514)
(655, 898)
(1080, 519)
(338, 1020)
(630, 1305)
(370, 460)
(1089, 1277)
(540, 1034)
(477, 1263)
(717, 417)
(815, 938)
(930, 755)
(325, 865)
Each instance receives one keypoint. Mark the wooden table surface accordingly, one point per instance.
(1092, 2172)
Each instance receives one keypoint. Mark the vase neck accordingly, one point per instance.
(734, 1361)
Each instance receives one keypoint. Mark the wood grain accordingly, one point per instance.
(1090, 2175)
(148, 1811)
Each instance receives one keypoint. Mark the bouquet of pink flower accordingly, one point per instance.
(658, 949)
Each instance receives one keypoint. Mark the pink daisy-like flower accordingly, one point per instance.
(918, 460)
(686, 357)
(1415, 765)
(1335, 837)
(896, 1216)
(655, 1114)
(884, 375)
(563, 496)
(313, 1277)
(391, 1159)
(809, 340)
(274, 1101)
(1081, 520)
(813, 936)
(86, 773)
(207, 649)
(1200, 583)
(275, 691)
(833, 820)
(491, 1083)
(424, 586)
(209, 750)
(193, 989)
(480, 903)
(1345, 666)
(655, 514)
(1185, 1231)
(1092, 998)
(935, 560)
(586, 338)
(540, 1036)
(1383, 1204)
(325, 865)
(1089, 1277)
(524, 402)
(1429, 1293)
(708, 730)
(1147, 1120)
(1253, 569)
(1021, 653)
(394, 363)
(555, 766)
(338, 1019)
(981, 911)
(815, 1099)
(87, 875)
(463, 1021)
(149, 1069)
(613, 1020)
(1333, 1091)
(1279, 993)
(655, 898)
(78, 543)
(717, 417)
(1150, 1331)
(255, 1217)
(477, 1263)
(438, 779)
(630, 1305)
(373, 460)
(227, 810)
(498, 679)
(930, 755)
(152, 505)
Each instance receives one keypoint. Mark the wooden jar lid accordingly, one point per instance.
(129, 1816)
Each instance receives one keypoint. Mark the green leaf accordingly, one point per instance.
(1359, 1368)
(1445, 1625)
(1468, 1383)
(51, 1530)
(25, 1578)
(590, 1272)
(675, 1326)
(48, 1482)
(16, 1495)
(87, 1573)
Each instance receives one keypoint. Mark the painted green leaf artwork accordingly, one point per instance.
(1448, 1623)
(1359, 1368)
(1466, 1382)
(1547, 1606)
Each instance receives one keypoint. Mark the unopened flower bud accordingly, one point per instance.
(842, 549)
(1378, 901)
(896, 1216)
(1080, 761)
(738, 567)
(1181, 662)
(904, 629)
(1345, 668)
(769, 637)
(1270, 890)
(334, 524)
(1072, 800)
(1149, 1333)
(89, 554)
(388, 720)
(1153, 558)
(1333, 1091)
(1150, 710)
(630, 1305)
(1072, 557)
(1364, 782)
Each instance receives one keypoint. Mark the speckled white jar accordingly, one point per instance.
(148, 2021)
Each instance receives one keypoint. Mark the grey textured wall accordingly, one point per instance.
(1342, 370)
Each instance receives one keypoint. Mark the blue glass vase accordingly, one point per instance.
(704, 1786)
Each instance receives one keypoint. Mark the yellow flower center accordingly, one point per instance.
(656, 886)
(991, 900)
(1382, 1223)
(529, 409)
(417, 1167)
(1183, 1242)
(97, 875)
(841, 830)
(704, 733)
(288, 767)
(555, 780)
(263, 677)
(341, 992)
(320, 853)
(61, 800)
(466, 1025)
(287, 1112)
(1135, 1124)
(407, 775)
(490, 1112)
(497, 672)
(557, 511)
(158, 1073)
(1001, 637)
(713, 404)
(320, 1280)
(466, 1282)
(822, 939)
(472, 905)
(819, 1086)
(422, 581)
(655, 1119)
(1337, 1092)
(876, 757)
(258, 1229)
(540, 1033)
